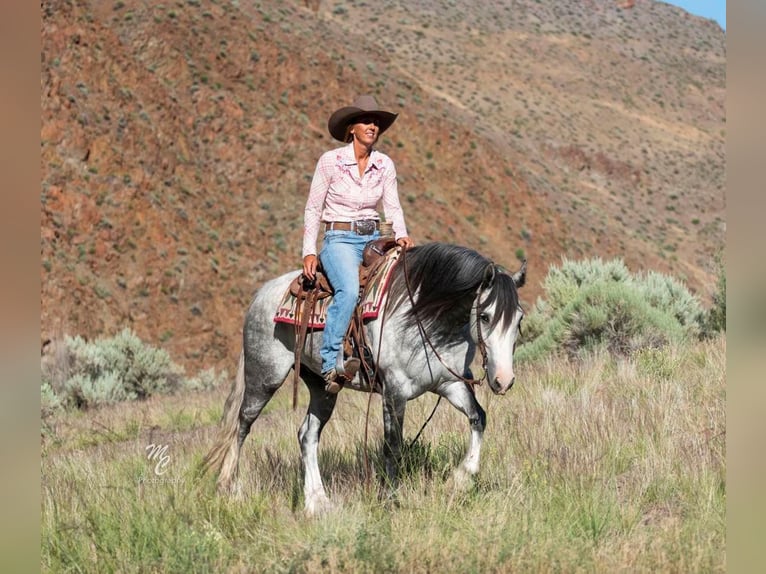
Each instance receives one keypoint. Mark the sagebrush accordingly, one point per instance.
(108, 370)
(716, 318)
(592, 303)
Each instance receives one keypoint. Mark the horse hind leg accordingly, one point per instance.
(244, 404)
(320, 409)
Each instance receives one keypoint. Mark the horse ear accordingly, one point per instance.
(520, 277)
(489, 275)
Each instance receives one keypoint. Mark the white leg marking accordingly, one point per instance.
(315, 498)
(468, 468)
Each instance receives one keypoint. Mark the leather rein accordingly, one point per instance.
(481, 345)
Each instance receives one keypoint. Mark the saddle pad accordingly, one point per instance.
(288, 308)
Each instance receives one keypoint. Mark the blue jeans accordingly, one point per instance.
(341, 256)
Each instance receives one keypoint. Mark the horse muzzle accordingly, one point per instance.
(499, 388)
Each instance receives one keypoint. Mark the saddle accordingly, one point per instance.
(308, 293)
(372, 257)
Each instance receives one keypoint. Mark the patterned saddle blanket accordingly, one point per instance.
(373, 282)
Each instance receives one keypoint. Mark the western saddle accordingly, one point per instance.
(355, 342)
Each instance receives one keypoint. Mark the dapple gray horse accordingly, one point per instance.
(445, 306)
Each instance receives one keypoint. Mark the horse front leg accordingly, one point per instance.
(393, 422)
(320, 409)
(462, 398)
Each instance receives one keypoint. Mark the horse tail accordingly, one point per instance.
(224, 456)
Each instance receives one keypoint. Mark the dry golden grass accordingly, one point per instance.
(604, 465)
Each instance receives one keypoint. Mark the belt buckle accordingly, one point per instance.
(364, 226)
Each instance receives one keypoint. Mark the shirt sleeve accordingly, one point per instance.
(390, 199)
(312, 215)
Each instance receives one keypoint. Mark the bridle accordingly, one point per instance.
(480, 344)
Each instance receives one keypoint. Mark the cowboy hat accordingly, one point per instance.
(361, 106)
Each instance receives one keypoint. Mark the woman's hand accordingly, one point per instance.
(310, 266)
(405, 242)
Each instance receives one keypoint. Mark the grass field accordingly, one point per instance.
(607, 465)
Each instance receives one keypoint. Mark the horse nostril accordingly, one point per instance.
(513, 380)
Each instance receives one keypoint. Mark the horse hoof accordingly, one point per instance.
(232, 490)
(318, 508)
(462, 480)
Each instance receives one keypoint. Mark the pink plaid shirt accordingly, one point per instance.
(338, 193)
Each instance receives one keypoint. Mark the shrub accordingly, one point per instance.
(596, 304)
(85, 390)
(108, 370)
(138, 369)
(49, 400)
(206, 380)
(715, 321)
(668, 294)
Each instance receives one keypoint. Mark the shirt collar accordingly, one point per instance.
(350, 159)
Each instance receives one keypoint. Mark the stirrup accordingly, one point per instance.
(335, 378)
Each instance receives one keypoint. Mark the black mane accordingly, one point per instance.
(444, 280)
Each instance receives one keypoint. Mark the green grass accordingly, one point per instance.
(601, 465)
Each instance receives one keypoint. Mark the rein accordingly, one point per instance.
(426, 340)
(424, 337)
(310, 291)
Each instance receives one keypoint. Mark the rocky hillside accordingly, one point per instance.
(178, 141)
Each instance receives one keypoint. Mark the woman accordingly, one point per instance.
(348, 183)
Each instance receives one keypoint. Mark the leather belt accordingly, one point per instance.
(360, 226)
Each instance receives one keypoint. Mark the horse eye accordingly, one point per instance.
(484, 317)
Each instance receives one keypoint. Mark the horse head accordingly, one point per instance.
(497, 316)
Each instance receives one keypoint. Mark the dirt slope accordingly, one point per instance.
(178, 141)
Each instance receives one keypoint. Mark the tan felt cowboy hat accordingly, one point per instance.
(361, 106)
